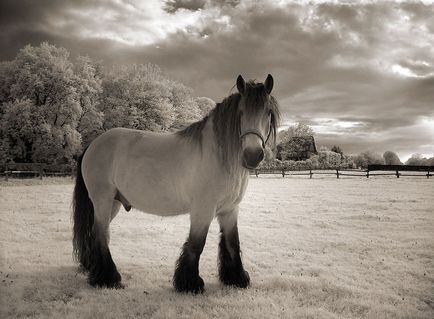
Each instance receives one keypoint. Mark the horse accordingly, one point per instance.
(202, 170)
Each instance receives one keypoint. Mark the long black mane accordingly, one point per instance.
(226, 122)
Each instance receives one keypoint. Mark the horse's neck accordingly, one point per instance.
(209, 139)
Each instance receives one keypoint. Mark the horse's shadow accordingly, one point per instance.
(67, 286)
(68, 283)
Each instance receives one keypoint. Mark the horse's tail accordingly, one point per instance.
(83, 214)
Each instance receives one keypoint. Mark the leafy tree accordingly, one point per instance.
(19, 127)
(337, 149)
(329, 159)
(419, 160)
(45, 76)
(40, 101)
(366, 158)
(390, 158)
(137, 97)
(88, 82)
(297, 147)
(6, 79)
(205, 105)
(51, 107)
(298, 129)
(184, 105)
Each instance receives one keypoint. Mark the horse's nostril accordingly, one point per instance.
(261, 156)
(252, 157)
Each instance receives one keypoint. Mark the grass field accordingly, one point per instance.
(320, 248)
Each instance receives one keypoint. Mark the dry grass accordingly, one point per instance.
(321, 248)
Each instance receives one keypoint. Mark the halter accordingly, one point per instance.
(258, 134)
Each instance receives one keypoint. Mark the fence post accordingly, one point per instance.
(397, 174)
(427, 175)
(367, 174)
(310, 174)
(40, 170)
(283, 173)
(337, 173)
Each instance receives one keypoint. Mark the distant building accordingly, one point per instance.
(298, 148)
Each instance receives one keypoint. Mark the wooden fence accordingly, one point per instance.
(373, 170)
(40, 170)
(35, 170)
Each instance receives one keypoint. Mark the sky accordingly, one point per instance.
(361, 73)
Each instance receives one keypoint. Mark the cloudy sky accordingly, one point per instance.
(361, 74)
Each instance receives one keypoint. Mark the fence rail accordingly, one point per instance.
(383, 170)
(35, 170)
(40, 170)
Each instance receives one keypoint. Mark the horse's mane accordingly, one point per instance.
(226, 123)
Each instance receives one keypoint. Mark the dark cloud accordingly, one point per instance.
(171, 6)
(366, 64)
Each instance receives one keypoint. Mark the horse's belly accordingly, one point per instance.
(156, 198)
(158, 203)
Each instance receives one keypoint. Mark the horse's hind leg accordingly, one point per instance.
(103, 271)
(231, 271)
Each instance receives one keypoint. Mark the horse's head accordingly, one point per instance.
(258, 116)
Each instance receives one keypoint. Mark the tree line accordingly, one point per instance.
(51, 106)
(330, 158)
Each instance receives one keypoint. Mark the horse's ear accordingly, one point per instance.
(269, 82)
(241, 85)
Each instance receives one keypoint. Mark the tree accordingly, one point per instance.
(329, 159)
(6, 79)
(19, 127)
(296, 148)
(40, 104)
(138, 97)
(205, 105)
(184, 105)
(51, 107)
(45, 76)
(390, 158)
(298, 129)
(419, 160)
(88, 82)
(337, 149)
(366, 158)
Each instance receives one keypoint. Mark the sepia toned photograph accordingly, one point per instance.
(231, 159)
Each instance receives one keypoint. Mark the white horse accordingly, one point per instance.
(202, 170)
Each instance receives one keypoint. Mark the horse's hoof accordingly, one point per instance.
(105, 280)
(119, 285)
(195, 286)
(242, 280)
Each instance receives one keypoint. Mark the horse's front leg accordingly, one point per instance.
(231, 271)
(186, 278)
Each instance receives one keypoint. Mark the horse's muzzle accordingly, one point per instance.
(252, 157)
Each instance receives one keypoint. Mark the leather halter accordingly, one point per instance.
(257, 133)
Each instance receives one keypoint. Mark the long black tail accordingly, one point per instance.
(83, 216)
